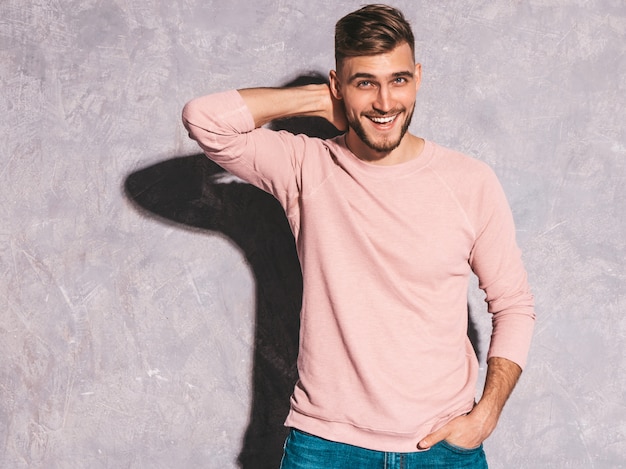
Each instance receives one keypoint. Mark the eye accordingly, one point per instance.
(365, 84)
(400, 81)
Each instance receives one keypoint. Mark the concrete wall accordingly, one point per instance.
(148, 305)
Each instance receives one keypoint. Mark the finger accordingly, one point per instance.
(433, 438)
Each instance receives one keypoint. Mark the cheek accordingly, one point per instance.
(349, 108)
(407, 97)
(355, 106)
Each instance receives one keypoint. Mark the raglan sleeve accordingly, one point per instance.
(496, 259)
(224, 129)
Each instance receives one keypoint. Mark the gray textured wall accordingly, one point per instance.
(147, 305)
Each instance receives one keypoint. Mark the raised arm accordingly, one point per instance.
(227, 126)
(267, 104)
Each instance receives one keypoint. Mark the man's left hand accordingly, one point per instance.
(467, 431)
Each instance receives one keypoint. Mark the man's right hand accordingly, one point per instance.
(338, 113)
(268, 104)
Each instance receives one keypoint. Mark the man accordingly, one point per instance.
(388, 227)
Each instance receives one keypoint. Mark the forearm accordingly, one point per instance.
(472, 429)
(267, 104)
(502, 376)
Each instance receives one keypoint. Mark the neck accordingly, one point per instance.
(409, 148)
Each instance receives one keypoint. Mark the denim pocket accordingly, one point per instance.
(459, 449)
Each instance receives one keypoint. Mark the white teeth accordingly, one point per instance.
(383, 120)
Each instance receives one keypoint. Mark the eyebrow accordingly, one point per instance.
(370, 76)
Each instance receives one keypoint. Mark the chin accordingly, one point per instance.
(382, 144)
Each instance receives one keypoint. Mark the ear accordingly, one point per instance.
(418, 76)
(335, 85)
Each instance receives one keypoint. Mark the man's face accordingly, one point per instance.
(378, 93)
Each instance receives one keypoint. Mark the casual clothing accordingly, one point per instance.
(386, 253)
(304, 451)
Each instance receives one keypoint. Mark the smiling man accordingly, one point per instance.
(378, 93)
(388, 228)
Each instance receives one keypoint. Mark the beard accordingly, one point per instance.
(386, 145)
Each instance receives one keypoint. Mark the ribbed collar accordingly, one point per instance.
(386, 171)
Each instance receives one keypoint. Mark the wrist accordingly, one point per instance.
(324, 106)
(486, 414)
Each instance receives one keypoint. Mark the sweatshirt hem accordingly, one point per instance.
(377, 440)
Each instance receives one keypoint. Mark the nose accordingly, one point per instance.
(383, 103)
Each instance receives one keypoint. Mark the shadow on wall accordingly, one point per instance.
(190, 190)
(184, 190)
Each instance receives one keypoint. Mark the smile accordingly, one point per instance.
(382, 120)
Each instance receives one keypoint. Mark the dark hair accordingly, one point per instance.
(371, 30)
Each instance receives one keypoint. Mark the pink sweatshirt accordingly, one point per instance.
(386, 254)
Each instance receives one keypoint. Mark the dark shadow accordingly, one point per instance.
(473, 333)
(183, 190)
(187, 191)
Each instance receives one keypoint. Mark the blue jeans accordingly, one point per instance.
(304, 451)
